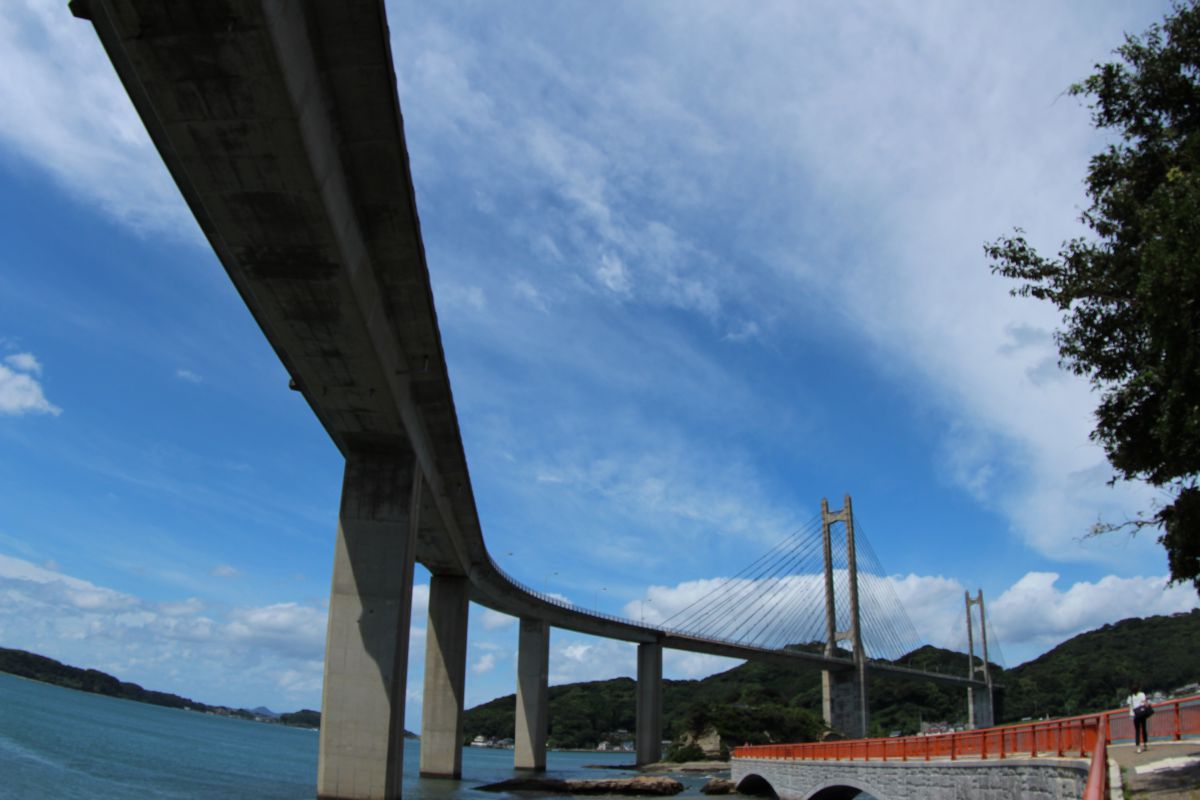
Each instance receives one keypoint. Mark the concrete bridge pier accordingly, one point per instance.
(844, 701)
(445, 677)
(366, 651)
(649, 704)
(533, 695)
(979, 704)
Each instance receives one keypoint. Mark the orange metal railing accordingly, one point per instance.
(1097, 782)
(1076, 737)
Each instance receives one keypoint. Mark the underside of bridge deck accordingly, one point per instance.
(280, 123)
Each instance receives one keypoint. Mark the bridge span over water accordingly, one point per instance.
(280, 123)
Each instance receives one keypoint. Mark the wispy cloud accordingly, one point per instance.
(275, 651)
(24, 362)
(20, 390)
(62, 110)
(759, 204)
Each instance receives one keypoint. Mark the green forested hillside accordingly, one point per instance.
(40, 668)
(1092, 672)
(752, 703)
(47, 670)
(760, 702)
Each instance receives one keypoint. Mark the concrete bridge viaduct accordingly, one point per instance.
(280, 123)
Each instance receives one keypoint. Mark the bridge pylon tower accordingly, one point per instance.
(844, 692)
(980, 712)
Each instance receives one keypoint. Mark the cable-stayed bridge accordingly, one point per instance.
(280, 123)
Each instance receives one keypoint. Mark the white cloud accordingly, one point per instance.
(420, 603)
(576, 652)
(62, 109)
(1035, 614)
(224, 571)
(757, 200)
(494, 619)
(485, 663)
(682, 664)
(574, 658)
(24, 362)
(1028, 618)
(612, 274)
(286, 628)
(253, 655)
(20, 390)
(188, 375)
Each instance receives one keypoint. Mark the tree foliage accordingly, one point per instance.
(1130, 294)
(1093, 671)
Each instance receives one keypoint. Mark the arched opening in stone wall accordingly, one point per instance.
(836, 793)
(757, 786)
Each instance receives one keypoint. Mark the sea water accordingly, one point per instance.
(60, 743)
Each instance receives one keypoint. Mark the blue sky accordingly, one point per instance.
(696, 266)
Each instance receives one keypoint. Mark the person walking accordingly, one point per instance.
(1140, 711)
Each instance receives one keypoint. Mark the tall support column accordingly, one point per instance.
(361, 750)
(649, 704)
(980, 710)
(445, 677)
(827, 520)
(830, 615)
(533, 696)
(860, 655)
(844, 692)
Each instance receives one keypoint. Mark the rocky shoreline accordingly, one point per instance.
(653, 785)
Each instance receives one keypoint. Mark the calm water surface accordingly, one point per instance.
(60, 743)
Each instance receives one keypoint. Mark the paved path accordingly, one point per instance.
(1165, 771)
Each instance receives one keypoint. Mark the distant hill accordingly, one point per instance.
(1092, 671)
(765, 702)
(47, 670)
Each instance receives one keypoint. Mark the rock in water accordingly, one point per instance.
(718, 786)
(640, 785)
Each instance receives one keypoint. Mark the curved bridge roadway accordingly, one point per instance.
(280, 123)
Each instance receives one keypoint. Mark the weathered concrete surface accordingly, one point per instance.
(648, 735)
(366, 650)
(993, 779)
(533, 696)
(445, 677)
(843, 694)
(980, 702)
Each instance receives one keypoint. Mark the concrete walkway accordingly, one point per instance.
(1165, 771)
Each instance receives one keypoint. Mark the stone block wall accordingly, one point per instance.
(992, 779)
